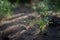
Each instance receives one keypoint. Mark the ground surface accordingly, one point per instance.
(15, 28)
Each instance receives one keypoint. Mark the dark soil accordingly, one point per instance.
(52, 31)
(17, 29)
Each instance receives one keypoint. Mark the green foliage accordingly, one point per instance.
(40, 21)
(55, 5)
(5, 8)
(42, 7)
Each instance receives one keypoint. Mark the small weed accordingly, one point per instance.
(5, 9)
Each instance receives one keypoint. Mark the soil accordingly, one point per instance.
(15, 28)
